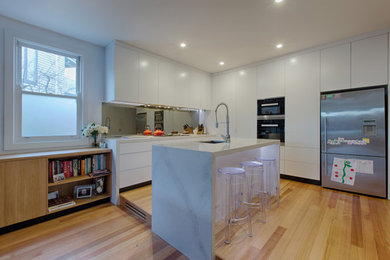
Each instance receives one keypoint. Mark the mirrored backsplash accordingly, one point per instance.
(125, 120)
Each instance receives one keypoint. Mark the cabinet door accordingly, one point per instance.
(182, 87)
(148, 79)
(126, 74)
(303, 101)
(336, 68)
(246, 103)
(369, 61)
(23, 190)
(225, 91)
(205, 91)
(195, 99)
(166, 83)
(270, 80)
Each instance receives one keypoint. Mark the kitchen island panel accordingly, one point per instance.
(182, 200)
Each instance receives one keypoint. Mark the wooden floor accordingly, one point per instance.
(138, 203)
(310, 223)
(101, 232)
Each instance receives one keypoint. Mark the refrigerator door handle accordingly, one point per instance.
(325, 133)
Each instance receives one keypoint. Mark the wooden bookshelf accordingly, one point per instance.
(24, 193)
(66, 187)
(76, 179)
(80, 202)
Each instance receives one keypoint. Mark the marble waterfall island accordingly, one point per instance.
(187, 193)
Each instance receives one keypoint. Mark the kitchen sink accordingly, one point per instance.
(213, 142)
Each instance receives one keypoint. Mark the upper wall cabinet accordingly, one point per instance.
(200, 90)
(137, 77)
(167, 73)
(183, 87)
(270, 80)
(302, 123)
(122, 73)
(148, 79)
(336, 68)
(369, 61)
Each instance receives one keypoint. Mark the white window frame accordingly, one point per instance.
(13, 139)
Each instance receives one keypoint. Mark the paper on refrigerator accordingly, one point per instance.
(365, 166)
(344, 171)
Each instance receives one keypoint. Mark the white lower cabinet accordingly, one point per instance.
(302, 162)
(135, 176)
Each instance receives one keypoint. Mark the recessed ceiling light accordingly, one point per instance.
(221, 63)
(183, 45)
(278, 46)
(278, 1)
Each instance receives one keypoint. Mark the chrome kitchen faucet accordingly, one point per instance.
(227, 137)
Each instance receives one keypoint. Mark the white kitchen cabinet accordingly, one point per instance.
(122, 73)
(370, 61)
(336, 68)
(302, 123)
(270, 80)
(200, 90)
(182, 87)
(167, 74)
(205, 91)
(246, 103)
(148, 79)
(302, 162)
(225, 91)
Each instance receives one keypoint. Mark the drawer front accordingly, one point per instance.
(299, 154)
(135, 160)
(135, 176)
(135, 147)
(303, 170)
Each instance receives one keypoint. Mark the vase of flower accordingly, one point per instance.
(94, 130)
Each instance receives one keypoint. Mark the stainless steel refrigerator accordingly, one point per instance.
(353, 141)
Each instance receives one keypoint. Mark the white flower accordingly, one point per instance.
(93, 129)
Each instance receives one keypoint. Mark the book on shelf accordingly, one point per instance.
(99, 172)
(75, 167)
(61, 202)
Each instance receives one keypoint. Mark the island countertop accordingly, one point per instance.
(218, 149)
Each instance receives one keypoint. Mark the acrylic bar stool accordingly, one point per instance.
(236, 211)
(256, 192)
(272, 180)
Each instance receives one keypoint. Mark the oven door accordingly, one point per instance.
(270, 129)
(271, 106)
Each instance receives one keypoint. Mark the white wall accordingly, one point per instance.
(93, 77)
(309, 144)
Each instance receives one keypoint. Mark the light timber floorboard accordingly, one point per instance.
(310, 223)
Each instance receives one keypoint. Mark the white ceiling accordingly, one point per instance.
(235, 31)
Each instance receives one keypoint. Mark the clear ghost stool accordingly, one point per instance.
(236, 212)
(256, 192)
(271, 174)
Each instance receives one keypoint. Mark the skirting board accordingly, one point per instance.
(304, 180)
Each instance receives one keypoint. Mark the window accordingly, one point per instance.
(47, 93)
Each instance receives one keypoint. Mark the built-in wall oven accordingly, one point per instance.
(270, 118)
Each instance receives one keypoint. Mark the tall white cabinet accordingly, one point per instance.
(246, 103)
(302, 138)
(270, 80)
